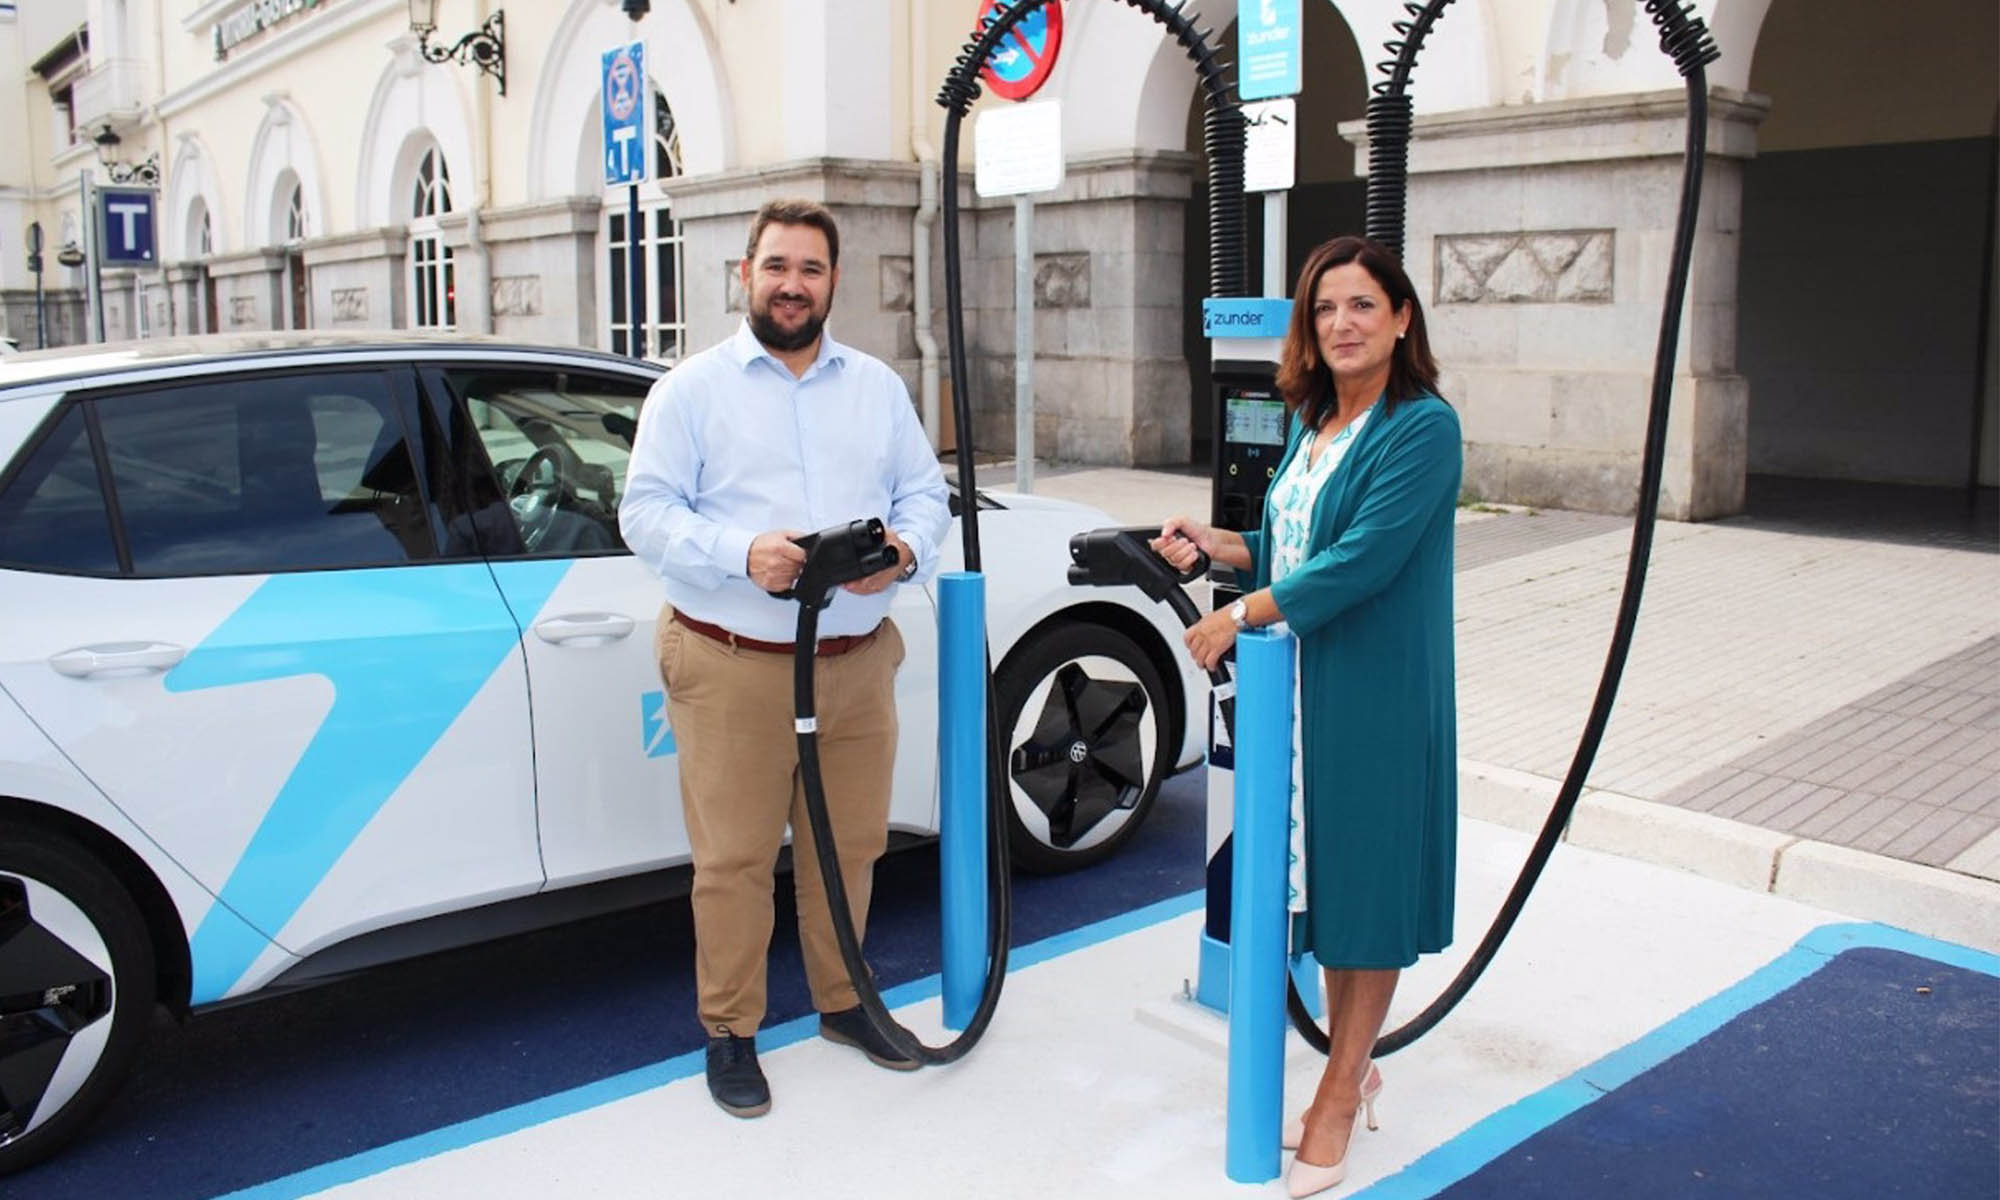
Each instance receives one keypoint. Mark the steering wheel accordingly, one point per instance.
(534, 504)
(524, 479)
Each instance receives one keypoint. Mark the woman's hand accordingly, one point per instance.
(1210, 638)
(1181, 537)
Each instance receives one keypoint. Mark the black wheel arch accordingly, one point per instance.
(1147, 638)
(173, 968)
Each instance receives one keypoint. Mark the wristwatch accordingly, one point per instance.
(1239, 612)
(909, 568)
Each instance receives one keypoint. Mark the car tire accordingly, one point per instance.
(77, 986)
(1086, 725)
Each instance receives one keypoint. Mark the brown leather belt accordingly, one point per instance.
(828, 647)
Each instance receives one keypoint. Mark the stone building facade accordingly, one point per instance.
(316, 170)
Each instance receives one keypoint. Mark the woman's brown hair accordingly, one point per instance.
(1304, 379)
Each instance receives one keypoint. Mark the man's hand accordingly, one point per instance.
(775, 562)
(881, 580)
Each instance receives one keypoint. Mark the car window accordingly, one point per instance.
(271, 473)
(559, 443)
(52, 514)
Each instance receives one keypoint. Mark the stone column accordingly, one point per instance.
(1111, 383)
(545, 270)
(249, 289)
(1539, 237)
(873, 203)
(357, 279)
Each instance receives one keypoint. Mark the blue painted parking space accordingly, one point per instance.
(1864, 1063)
(241, 1098)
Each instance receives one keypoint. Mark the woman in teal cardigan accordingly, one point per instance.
(1355, 557)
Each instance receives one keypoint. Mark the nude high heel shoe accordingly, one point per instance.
(1371, 1087)
(1310, 1179)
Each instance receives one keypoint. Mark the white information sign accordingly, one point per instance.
(1270, 145)
(1017, 149)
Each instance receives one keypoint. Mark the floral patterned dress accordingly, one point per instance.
(1289, 510)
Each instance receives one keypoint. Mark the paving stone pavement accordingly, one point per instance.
(1809, 681)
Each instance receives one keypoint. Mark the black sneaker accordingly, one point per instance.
(734, 1078)
(850, 1027)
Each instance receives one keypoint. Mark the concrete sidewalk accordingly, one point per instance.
(1805, 712)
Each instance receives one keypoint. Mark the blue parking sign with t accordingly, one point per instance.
(126, 217)
(625, 141)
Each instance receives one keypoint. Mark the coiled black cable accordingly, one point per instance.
(1685, 39)
(1223, 135)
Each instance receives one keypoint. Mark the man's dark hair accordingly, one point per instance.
(795, 212)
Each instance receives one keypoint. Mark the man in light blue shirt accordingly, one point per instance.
(778, 432)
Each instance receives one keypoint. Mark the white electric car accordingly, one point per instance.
(319, 652)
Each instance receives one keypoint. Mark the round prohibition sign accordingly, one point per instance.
(1021, 63)
(623, 88)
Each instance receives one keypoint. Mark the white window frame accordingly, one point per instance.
(433, 302)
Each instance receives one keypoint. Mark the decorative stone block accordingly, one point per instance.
(1571, 267)
(899, 288)
(242, 311)
(1062, 280)
(735, 299)
(350, 304)
(517, 296)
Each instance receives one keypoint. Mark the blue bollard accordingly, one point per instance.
(1264, 665)
(962, 789)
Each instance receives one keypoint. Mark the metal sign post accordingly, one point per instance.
(626, 155)
(1017, 152)
(93, 286)
(35, 265)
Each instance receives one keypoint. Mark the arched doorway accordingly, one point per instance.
(1329, 197)
(1866, 281)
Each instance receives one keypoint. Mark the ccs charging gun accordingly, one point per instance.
(837, 555)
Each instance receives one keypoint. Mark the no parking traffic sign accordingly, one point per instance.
(624, 99)
(1021, 63)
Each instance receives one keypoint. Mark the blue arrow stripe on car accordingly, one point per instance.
(405, 657)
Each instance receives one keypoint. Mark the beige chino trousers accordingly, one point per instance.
(731, 710)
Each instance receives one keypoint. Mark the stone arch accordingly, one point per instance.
(193, 190)
(681, 57)
(412, 110)
(1132, 84)
(282, 153)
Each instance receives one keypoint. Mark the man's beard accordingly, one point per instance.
(775, 337)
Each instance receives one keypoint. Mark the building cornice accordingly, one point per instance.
(1587, 129)
(359, 246)
(333, 21)
(249, 262)
(564, 217)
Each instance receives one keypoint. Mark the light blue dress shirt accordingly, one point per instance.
(731, 445)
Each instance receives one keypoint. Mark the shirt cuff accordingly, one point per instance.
(732, 553)
(926, 556)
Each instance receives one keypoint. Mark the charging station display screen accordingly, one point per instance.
(1254, 421)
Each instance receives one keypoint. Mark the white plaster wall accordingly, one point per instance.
(192, 179)
(412, 109)
(284, 148)
(682, 60)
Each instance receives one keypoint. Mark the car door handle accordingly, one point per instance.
(589, 628)
(117, 658)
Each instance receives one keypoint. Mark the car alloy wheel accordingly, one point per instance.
(1086, 722)
(76, 991)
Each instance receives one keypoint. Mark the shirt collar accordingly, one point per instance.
(746, 349)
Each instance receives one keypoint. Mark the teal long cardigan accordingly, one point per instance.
(1372, 609)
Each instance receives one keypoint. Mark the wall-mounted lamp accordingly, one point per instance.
(108, 141)
(71, 255)
(485, 47)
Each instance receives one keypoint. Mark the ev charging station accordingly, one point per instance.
(1246, 341)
